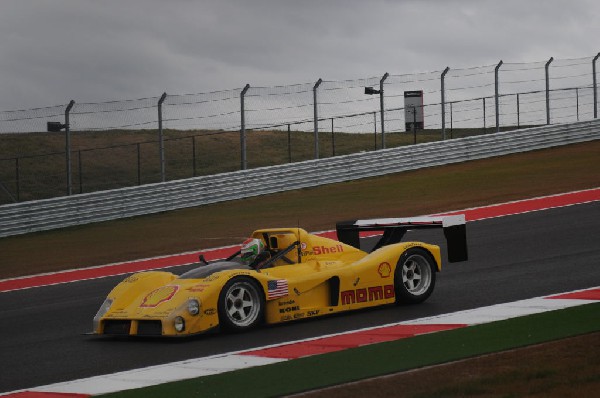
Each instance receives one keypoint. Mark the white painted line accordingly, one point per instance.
(159, 374)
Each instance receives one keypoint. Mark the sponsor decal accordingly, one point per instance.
(212, 277)
(299, 316)
(286, 318)
(289, 309)
(131, 279)
(210, 311)
(373, 293)
(384, 270)
(286, 302)
(159, 296)
(303, 246)
(277, 288)
(198, 288)
(313, 313)
(319, 250)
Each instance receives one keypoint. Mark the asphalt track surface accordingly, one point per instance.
(511, 258)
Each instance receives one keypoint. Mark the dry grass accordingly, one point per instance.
(425, 191)
(565, 368)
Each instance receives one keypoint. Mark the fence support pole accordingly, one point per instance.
(316, 117)
(518, 112)
(451, 122)
(577, 101)
(289, 144)
(444, 103)
(161, 140)
(194, 156)
(547, 67)
(382, 109)
(244, 162)
(484, 125)
(332, 139)
(80, 171)
(375, 125)
(496, 98)
(139, 172)
(17, 177)
(68, 147)
(595, 87)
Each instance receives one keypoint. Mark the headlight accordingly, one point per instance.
(179, 324)
(193, 307)
(104, 308)
(101, 312)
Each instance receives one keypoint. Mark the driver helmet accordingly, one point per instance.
(250, 249)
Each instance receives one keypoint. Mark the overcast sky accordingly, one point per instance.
(52, 51)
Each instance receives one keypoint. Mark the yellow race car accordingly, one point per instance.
(284, 274)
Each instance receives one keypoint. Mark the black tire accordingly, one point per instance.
(414, 279)
(241, 304)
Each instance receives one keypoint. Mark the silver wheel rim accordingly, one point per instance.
(242, 304)
(416, 274)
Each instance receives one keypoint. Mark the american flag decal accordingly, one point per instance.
(276, 289)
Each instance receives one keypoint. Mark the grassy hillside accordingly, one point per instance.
(115, 159)
(418, 192)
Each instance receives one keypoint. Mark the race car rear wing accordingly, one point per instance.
(394, 229)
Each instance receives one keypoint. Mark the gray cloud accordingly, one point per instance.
(94, 51)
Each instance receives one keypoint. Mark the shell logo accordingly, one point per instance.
(159, 296)
(384, 270)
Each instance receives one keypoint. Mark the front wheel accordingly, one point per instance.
(241, 304)
(415, 276)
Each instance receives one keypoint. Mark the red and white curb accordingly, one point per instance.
(472, 214)
(228, 362)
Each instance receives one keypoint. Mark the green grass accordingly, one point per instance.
(387, 358)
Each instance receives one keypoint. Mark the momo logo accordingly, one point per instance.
(373, 293)
(384, 270)
(159, 296)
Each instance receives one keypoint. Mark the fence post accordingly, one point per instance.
(316, 117)
(80, 169)
(68, 147)
(161, 140)
(496, 99)
(444, 103)
(595, 87)
(17, 176)
(451, 122)
(484, 125)
(375, 125)
(518, 112)
(547, 67)
(577, 102)
(385, 76)
(139, 172)
(332, 139)
(244, 162)
(194, 156)
(289, 144)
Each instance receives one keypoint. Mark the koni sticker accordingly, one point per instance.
(159, 296)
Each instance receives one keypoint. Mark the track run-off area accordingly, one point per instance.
(523, 256)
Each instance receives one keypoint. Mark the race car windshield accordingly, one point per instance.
(207, 270)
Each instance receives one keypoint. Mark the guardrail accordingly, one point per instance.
(25, 217)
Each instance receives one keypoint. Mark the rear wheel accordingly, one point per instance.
(415, 276)
(241, 304)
